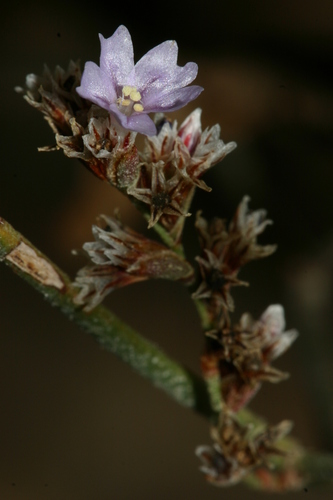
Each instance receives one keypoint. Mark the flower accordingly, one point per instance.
(154, 84)
(122, 257)
(269, 331)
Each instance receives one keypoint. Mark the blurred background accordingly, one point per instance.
(75, 422)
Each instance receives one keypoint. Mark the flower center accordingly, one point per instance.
(160, 200)
(129, 100)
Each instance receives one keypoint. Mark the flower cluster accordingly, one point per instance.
(82, 130)
(122, 257)
(96, 118)
(238, 357)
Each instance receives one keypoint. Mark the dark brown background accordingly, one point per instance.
(76, 423)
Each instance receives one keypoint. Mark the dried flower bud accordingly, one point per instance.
(54, 94)
(243, 231)
(106, 148)
(121, 257)
(269, 331)
(83, 130)
(238, 449)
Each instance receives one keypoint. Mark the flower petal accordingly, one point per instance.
(283, 343)
(117, 57)
(95, 86)
(141, 123)
(273, 322)
(158, 69)
(190, 130)
(138, 122)
(158, 100)
(157, 64)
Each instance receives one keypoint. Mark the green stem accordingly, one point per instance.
(166, 238)
(203, 314)
(158, 228)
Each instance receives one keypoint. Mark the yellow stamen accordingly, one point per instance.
(135, 95)
(127, 90)
(138, 107)
(125, 102)
(130, 100)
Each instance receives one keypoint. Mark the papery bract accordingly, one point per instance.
(154, 84)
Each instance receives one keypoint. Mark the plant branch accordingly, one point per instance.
(182, 385)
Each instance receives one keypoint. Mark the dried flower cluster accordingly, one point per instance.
(122, 257)
(238, 449)
(237, 356)
(172, 164)
(241, 357)
(83, 130)
(224, 252)
(96, 118)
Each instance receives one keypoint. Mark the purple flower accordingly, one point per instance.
(154, 84)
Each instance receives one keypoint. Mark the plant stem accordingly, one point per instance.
(182, 385)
